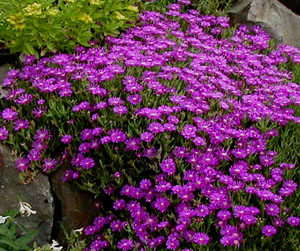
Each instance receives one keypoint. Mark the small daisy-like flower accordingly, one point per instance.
(201, 238)
(22, 164)
(168, 166)
(66, 139)
(125, 244)
(87, 163)
(49, 164)
(21, 124)
(189, 131)
(272, 209)
(162, 204)
(3, 133)
(117, 136)
(293, 221)
(120, 109)
(269, 230)
(115, 101)
(42, 134)
(147, 136)
(119, 204)
(9, 114)
(134, 99)
(34, 155)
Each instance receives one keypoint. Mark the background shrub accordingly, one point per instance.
(38, 27)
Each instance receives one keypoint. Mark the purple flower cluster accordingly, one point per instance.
(193, 92)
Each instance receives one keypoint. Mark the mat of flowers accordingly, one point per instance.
(171, 122)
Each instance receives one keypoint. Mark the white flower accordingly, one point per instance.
(25, 208)
(3, 219)
(79, 230)
(54, 246)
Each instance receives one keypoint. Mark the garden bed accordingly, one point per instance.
(179, 128)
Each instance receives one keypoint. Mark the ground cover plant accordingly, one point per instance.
(207, 7)
(14, 236)
(172, 125)
(38, 27)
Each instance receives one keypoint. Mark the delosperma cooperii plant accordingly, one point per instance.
(170, 123)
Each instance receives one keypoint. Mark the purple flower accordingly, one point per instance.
(119, 204)
(39, 145)
(161, 204)
(249, 219)
(199, 141)
(3, 133)
(240, 211)
(224, 215)
(21, 124)
(49, 164)
(41, 101)
(202, 211)
(68, 175)
(163, 186)
(147, 136)
(115, 101)
(120, 109)
(100, 106)
(189, 131)
(39, 112)
(132, 144)
(42, 134)
(155, 127)
(125, 244)
(86, 134)
(34, 155)
(84, 147)
(145, 184)
(201, 238)
(97, 131)
(272, 209)
(293, 221)
(90, 230)
(87, 163)
(116, 226)
(22, 164)
(24, 99)
(168, 166)
(99, 245)
(66, 139)
(277, 222)
(134, 99)
(95, 117)
(9, 114)
(117, 136)
(173, 241)
(180, 152)
(269, 230)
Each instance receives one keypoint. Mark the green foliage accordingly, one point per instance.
(75, 241)
(207, 7)
(159, 5)
(10, 237)
(38, 27)
(215, 7)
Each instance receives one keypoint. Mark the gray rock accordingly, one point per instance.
(3, 71)
(76, 206)
(276, 19)
(37, 193)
